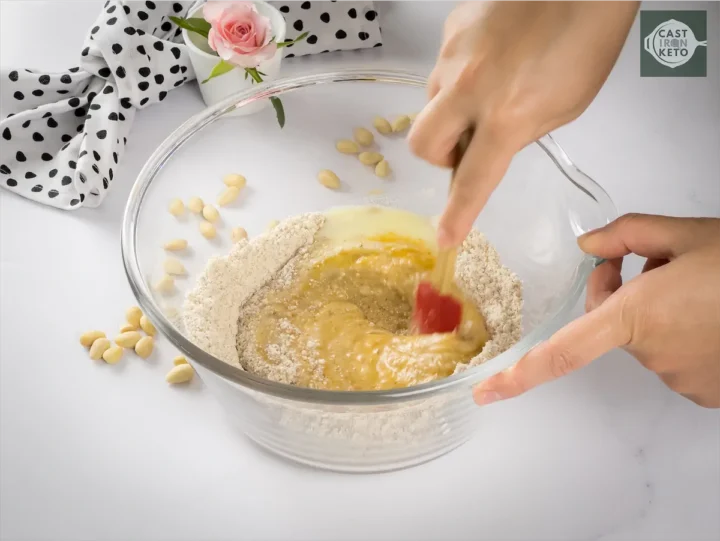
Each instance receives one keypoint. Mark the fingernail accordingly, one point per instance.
(483, 398)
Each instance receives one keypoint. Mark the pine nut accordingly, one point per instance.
(128, 339)
(382, 169)
(99, 346)
(166, 284)
(112, 354)
(127, 328)
(376, 192)
(237, 234)
(181, 373)
(228, 196)
(174, 267)
(133, 315)
(144, 347)
(176, 245)
(412, 117)
(177, 361)
(329, 179)
(235, 180)
(363, 137)
(176, 207)
(382, 125)
(87, 339)
(210, 213)
(370, 158)
(207, 230)
(195, 204)
(147, 326)
(401, 123)
(346, 146)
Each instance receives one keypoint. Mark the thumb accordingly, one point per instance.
(656, 237)
(572, 347)
(480, 171)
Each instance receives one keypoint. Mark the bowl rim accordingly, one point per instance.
(238, 376)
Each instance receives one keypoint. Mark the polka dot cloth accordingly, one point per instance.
(331, 26)
(64, 133)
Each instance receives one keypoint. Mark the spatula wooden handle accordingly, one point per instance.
(444, 271)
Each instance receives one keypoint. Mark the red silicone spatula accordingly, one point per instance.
(436, 310)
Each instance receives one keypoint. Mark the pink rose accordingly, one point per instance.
(239, 34)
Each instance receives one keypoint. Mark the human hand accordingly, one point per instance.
(668, 317)
(513, 71)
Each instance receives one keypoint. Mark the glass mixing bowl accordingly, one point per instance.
(533, 219)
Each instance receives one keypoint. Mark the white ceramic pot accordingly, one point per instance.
(204, 59)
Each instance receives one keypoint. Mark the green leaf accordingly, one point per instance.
(220, 68)
(279, 110)
(194, 24)
(254, 74)
(291, 41)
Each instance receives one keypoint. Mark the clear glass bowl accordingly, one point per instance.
(533, 219)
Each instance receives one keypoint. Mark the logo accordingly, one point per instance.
(674, 44)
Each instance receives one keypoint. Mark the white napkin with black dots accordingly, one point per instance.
(65, 133)
(331, 26)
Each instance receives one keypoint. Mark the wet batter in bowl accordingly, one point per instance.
(337, 316)
(346, 320)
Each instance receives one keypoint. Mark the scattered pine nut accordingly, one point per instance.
(370, 158)
(382, 169)
(112, 354)
(272, 224)
(176, 207)
(210, 213)
(412, 117)
(174, 267)
(128, 339)
(228, 195)
(329, 179)
(195, 204)
(133, 315)
(363, 136)
(180, 359)
(382, 125)
(235, 180)
(147, 326)
(401, 123)
(176, 245)
(376, 192)
(99, 346)
(207, 230)
(87, 339)
(144, 347)
(181, 373)
(166, 284)
(237, 234)
(346, 146)
(127, 328)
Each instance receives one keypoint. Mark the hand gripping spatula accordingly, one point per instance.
(436, 310)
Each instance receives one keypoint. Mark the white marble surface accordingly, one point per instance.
(89, 454)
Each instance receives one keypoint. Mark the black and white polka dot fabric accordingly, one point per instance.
(331, 26)
(63, 134)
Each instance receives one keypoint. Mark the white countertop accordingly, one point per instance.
(92, 454)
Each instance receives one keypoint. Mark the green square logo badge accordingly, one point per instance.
(673, 43)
